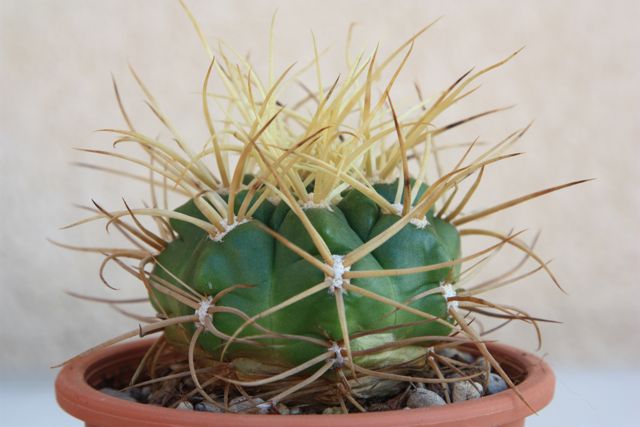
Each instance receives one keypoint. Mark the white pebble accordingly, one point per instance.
(185, 406)
(466, 390)
(241, 404)
(423, 398)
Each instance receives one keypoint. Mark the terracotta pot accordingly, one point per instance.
(76, 394)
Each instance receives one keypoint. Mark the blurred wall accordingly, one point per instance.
(578, 78)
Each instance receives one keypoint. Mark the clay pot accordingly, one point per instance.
(76, 394)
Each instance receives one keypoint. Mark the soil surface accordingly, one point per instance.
(453, 375)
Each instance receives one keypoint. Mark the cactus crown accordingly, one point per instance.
(310, 251)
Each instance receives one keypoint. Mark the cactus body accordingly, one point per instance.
(248, 255)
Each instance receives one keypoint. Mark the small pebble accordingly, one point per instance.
(332, 410)
(496, 384)
(241, 404)
(454, 353)
(466, 357)
(141, 394)
(185, 406)
(296, 410)
(423, 398)
(282, 409)
(479, 361)
(437, 389)
(206, 407)
(466, 390)
(125, 395)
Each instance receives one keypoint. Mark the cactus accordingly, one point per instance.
(247, 252)
(313, 250)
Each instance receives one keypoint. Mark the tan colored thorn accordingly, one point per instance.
(214, 138)
(406, 202)
(514, 202)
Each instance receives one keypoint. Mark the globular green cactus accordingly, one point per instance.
(315, 249)
(250, 255)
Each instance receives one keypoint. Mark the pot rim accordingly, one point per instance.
(77, 397)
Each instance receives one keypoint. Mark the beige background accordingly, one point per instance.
(578, 78)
